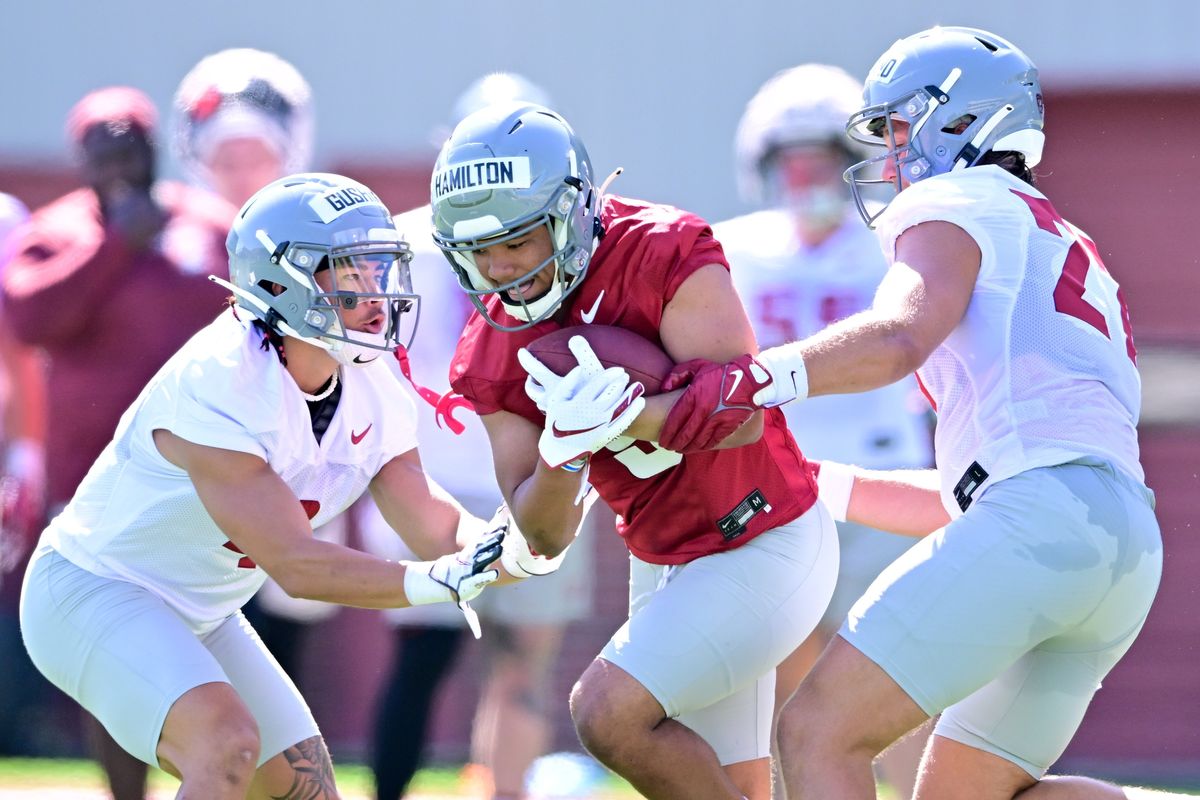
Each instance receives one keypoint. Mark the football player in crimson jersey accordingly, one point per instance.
(1041, 554)
(732, 562)
(269, 421)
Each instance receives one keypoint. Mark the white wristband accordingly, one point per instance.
(419, 588)
(787, 369)
(835, 482)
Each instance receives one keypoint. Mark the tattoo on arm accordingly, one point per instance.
(312, 772)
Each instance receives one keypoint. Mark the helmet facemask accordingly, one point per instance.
(869, 126)
(568, 261)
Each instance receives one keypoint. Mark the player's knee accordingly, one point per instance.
(611, 712)
(593, 717)
(238, 750)
(801, 727)
(210, 728)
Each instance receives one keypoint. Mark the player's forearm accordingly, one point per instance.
(860, 353)
(319, 570)
(545, 510)
(907, 502)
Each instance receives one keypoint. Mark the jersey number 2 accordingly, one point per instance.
(1069, 292)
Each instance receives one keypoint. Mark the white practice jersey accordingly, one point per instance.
(461, 464)
(1041, 370)
(136, 517)
(791, 291)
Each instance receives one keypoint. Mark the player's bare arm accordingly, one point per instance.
(425, 516)
(261, 515)
(542, 499)
(921, 298)
(903, 501)
(704, 320)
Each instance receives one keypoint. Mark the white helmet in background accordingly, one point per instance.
(808, 104)
(487, 90)
(242, 93)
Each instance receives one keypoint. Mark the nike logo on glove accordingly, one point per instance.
(737, 379)
(559, 432)
(590, 314)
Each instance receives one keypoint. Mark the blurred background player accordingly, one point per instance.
(800, 264)
(23, 433)
(109, 281)
(23, 693)
(514, 721)
(242, 119)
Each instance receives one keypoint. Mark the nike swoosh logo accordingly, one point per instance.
(559, 432)
(355, 438)
(737, 379)
(361, 360)
(590, 314)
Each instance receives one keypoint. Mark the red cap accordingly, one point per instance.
(113, 104)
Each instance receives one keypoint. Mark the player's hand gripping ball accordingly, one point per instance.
(642, 359)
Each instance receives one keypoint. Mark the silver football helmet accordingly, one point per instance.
(962, 91)
(242, 92)
(504, 171)
(309, 247)
(803, 105)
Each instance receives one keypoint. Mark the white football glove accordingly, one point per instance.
(542, 381)
(458, 577)
(584, 414)
(517, 557)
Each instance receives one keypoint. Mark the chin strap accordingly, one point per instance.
(444, 405)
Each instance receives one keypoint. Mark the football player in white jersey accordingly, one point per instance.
(800, 264)
(1041, 554)
(271, 420)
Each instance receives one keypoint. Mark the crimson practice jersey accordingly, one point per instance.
(673, 508)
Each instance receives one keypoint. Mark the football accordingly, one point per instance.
(615, 347)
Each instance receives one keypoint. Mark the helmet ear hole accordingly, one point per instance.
(959, 125)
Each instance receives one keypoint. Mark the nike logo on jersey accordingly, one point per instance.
(355, 438)
(590, 314)
(737, 379)
(361, 360)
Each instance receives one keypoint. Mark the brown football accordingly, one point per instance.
(615, 347)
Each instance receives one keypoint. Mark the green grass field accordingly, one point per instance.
(42, 777)
(78, 779)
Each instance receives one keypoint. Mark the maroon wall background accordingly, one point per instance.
(1122, 165)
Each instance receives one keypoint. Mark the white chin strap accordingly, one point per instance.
(354, 354)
